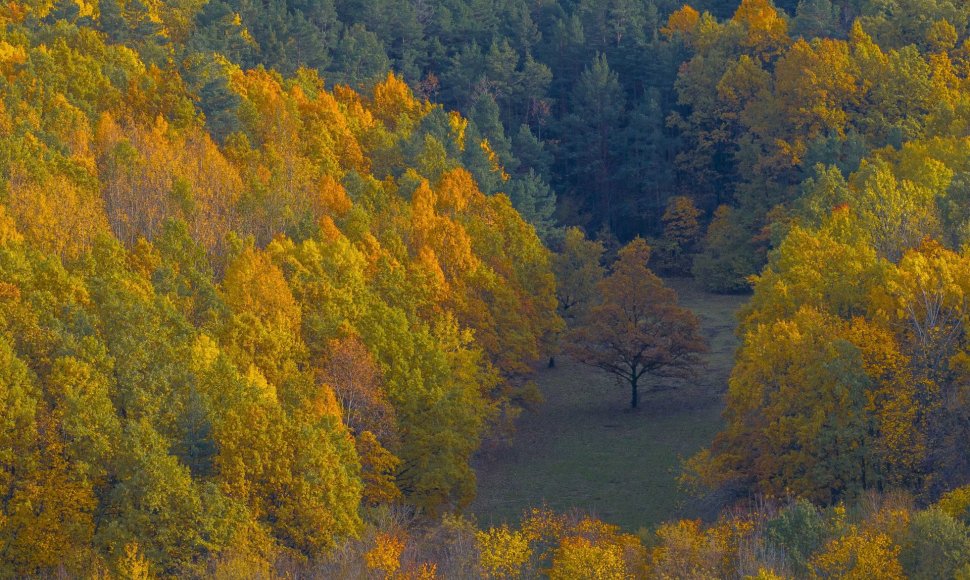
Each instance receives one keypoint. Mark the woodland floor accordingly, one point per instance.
(584, 449)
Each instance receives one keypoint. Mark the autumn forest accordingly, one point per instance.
(287, 286)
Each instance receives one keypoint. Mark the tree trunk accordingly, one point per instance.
(634, 395)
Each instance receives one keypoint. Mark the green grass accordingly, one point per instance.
(584, 449)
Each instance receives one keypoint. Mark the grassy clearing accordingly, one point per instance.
(583, 449)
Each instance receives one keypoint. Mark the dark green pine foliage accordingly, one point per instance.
(648, 168)
(591, 141)
(534, 199)
(360, 59)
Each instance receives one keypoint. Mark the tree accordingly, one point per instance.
(353, 374)
(897, 213)
(681, 234)
(728, 255)
(795, 386)
(680, 222)
(798, 531)
(857, 555)
(647, 150)
(815, 18)
(591, 156)
(638, 329)
(766, 31)
(577, 557)
(935, 546)
(685, 550)
(360, 57)
(535, 202)
(504, 552)
(578, 268)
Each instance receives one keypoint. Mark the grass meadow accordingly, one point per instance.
(584, 449)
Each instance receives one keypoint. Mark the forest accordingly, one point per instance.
(280, 279)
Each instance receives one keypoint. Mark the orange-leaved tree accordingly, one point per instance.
(638, 329)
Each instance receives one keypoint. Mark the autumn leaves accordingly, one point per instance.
(635, 328)
(254, 338)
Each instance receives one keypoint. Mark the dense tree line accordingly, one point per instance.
(561, 90)
(612, 108)
(851, 154)
(605, 106)
(239, 341)
(766, 102)
(881, 538)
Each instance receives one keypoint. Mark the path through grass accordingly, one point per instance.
(584, 449)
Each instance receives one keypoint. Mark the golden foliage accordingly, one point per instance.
(504, 552)
(133, 565)
(378, 470)
(682, 21)
(385, 556)
(859, 555)
(578, 557)
(956, 503)
(767, 31)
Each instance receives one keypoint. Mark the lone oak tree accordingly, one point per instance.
(637, 329)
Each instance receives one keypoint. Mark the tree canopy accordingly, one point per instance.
(636, 329)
